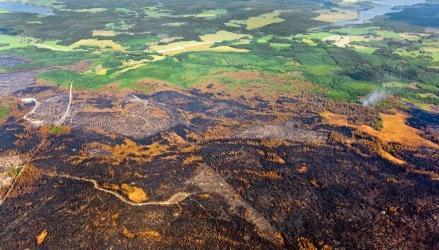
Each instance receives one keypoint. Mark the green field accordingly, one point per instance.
(4, 111)
(183, 45)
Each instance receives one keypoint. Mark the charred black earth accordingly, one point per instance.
(185, 169)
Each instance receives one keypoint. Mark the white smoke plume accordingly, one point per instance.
(374, 98)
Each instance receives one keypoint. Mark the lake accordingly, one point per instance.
(27, 8)
(381, 7)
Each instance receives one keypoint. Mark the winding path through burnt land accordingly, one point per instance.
(173, 200)
(36, 105)
(210, 182)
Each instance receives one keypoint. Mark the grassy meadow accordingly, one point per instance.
(185, 45)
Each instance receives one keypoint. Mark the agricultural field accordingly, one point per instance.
(219, 124)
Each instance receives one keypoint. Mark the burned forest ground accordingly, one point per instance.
(191, 168)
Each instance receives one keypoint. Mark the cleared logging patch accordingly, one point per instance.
(102, 44)
(257, 21)
(206, 44)
(333, 16)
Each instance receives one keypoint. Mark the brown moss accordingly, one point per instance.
(190, 149)
(135, 194)
(41, 237)
(326, 247)
(128, 147)
(52, 129)
(303, 169)
(315, 183)
(114, 218)
(156, 149)
(433, 176)
(390, 157)
(304, 244)
(273, 143)
(149, 234)
(393, 209)
(268, 175)
(111, 186)
(144, 234)
(174, 138)
(25, 183)
(394, 129)
(121, 152)
(392, 180)
(204, 196)
(192, 159)
(127, 234)
(334, 119)
(273, 157)
(273, 175)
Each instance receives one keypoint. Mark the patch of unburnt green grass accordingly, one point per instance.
(4, 111)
